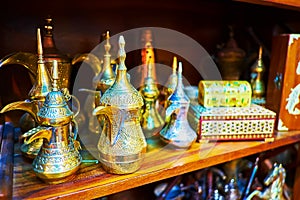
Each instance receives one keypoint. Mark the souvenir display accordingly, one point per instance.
(233, 123)
(58, 157)
(122, 143)
(177, 130)
(284, 81)
(224, 93)
(130, 135)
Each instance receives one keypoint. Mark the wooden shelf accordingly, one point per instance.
(160, 163)
(287, 4)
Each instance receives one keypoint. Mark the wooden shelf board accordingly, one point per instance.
(160, 163)
(286, 4)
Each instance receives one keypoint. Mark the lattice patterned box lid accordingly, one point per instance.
(213, 93)
(232, 123)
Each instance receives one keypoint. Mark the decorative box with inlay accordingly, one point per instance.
(232, 123)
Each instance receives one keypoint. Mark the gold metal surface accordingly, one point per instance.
(257, 82)
(177, 130)
(148, 56)
(58, 157)
(41, 87)
(151, 120)
(101, 82)
(122, 143)
(230, 59)
(93, 61)
(106, 77)
(275, 182)
(25, 59)
(170, 84)
(29, 60)
(52, 53)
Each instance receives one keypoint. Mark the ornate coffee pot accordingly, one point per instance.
(147, 55)
(65, 63)
(101, 82)
(150, 117)
(122, 143)
(58, 157)
(230, 59)
(177, 130)
(257, 82)
(37, 95)
(170, 84)
(106, 77)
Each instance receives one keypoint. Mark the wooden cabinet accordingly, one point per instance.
(78, 29)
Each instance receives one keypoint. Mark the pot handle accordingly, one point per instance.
(68, 97)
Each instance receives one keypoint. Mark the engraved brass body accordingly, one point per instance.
(122, 143)
(177, 130)
(58, 157)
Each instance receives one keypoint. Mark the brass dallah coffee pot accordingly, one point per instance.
(170, 85)
(58, 157)
(122, 143)
(101, 82)
(148, 56)
(106, 77)
(257, 81)
(177, 130)
(37, 95)
(150, 117)
(65, 63)
(230, 59)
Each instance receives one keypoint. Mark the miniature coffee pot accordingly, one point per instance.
(151, 119)
(257, 82)
(177, 130)
(58, 157)
(101, 83)
(121, 143)
(170, 85)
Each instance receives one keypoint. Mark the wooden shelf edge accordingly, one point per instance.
(100, 186)
(285, 4)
